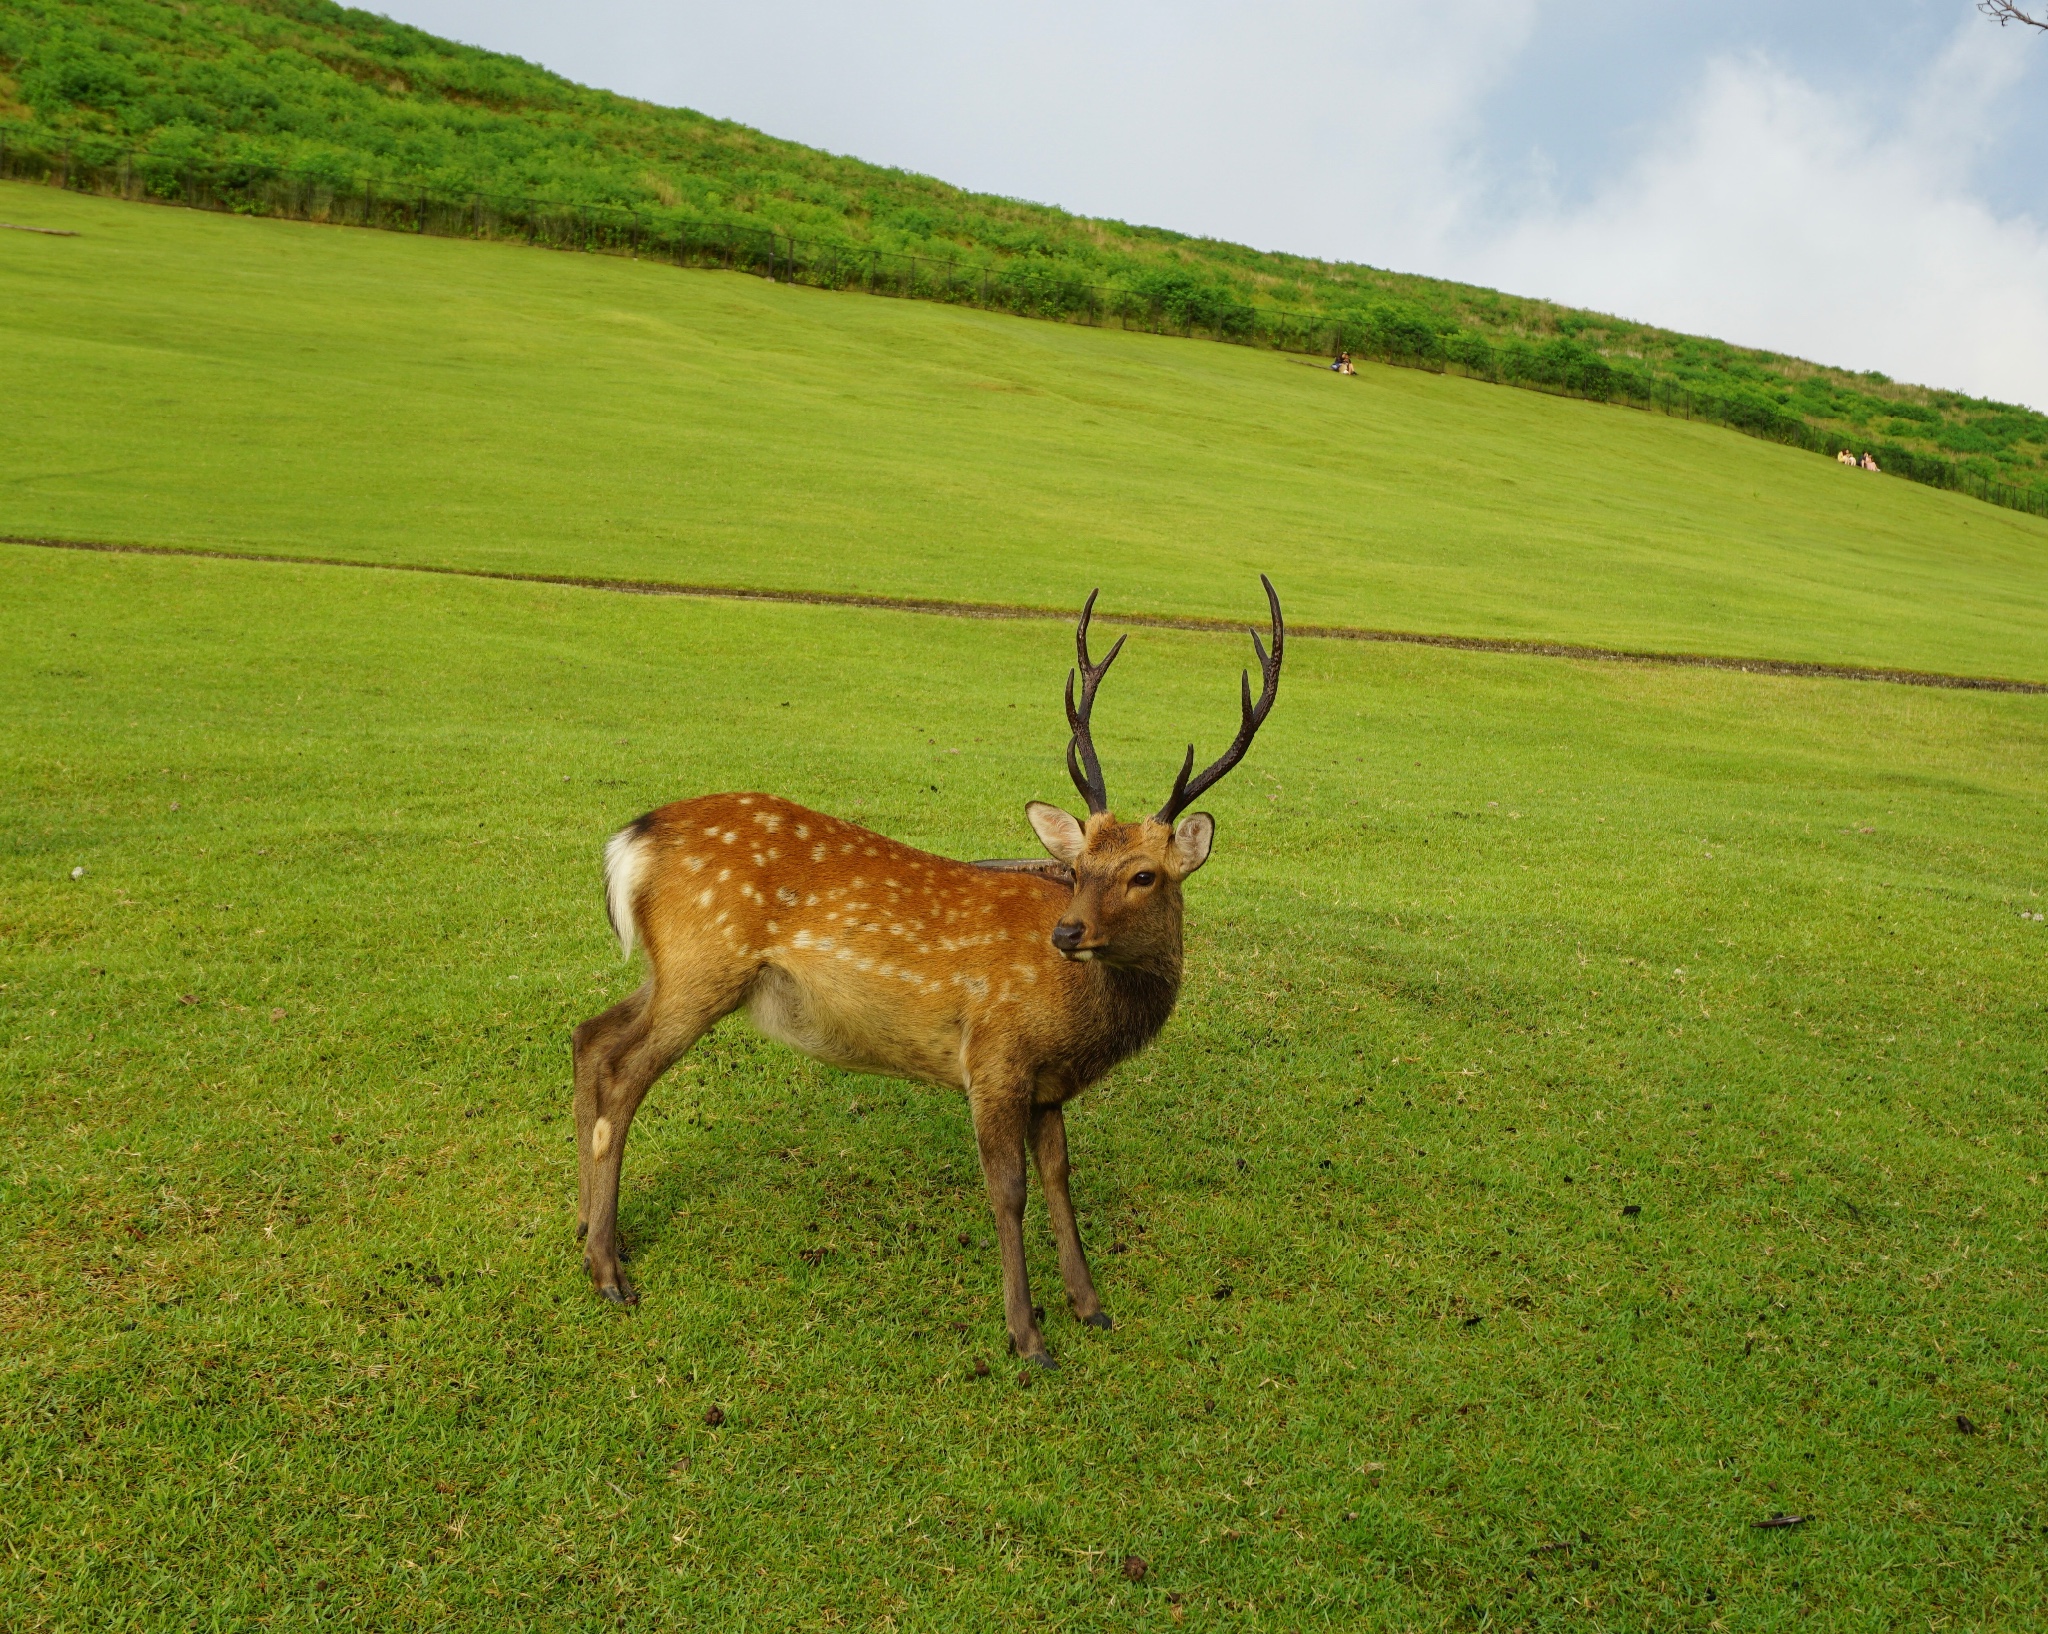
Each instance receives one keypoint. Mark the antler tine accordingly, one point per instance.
(1186, 792)
(1082, 766)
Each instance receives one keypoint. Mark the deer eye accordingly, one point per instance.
(1144, 876)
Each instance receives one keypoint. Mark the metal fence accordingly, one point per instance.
(1026, 286)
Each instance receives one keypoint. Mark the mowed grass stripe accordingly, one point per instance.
(1159, 621)
(292, 1327)
(274, 386)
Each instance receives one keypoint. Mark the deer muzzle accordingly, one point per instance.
(1068, 935)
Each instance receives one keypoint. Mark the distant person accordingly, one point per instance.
(1342, 365)
(1869, 461)
(1844, 457)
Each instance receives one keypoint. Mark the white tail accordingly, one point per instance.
(625, 863)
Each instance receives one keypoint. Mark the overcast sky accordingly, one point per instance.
(1857, 184)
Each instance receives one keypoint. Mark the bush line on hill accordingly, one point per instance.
(1159, 302)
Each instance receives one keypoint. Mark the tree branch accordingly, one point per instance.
(2004, 11)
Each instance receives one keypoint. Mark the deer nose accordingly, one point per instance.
(1066, 935)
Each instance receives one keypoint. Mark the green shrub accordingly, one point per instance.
(1966, 440)
(1471, 352)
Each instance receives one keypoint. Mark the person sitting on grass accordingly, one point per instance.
(1869, 461)
(1844, 457)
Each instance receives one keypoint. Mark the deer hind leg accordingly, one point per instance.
(1049, 1151)
(618, 1056)
(999, 1128)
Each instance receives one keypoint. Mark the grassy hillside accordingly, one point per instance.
(308, 87)
(292, 1329)
(214, 381)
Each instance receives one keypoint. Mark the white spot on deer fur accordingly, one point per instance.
(844, 849)
(724, 874)
(694, 864)
(600, 1138)
(712, 831)
(811, 901)
(772, 927)
(759, 860)
(729, 836)
(801, 939)
(818, 853)
(785, 896)
(746, 799)
(704, 897)
(803, 831)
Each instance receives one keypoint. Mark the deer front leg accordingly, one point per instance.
(1049, 1151)
(999, 1129)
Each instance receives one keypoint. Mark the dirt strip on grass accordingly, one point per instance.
(1158, 621)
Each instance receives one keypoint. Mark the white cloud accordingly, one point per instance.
(1771, 214)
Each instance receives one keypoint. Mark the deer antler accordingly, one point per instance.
(1080, 747)
(1186, 793)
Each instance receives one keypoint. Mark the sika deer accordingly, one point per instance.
(1017, 988)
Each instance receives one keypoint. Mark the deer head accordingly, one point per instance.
(1126, 909)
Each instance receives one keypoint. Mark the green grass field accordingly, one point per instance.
(271, 386)
(293, 1331)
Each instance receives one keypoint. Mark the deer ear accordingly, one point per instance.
(1056, 831)
(1192, 837)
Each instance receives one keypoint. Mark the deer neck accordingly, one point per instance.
(1132, 1002)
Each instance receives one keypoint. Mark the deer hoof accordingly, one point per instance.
(613, 1287)
(1043, 1360)
(1099, 1320)
(582, 1229)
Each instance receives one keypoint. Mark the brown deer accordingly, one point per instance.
(1018, 983)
